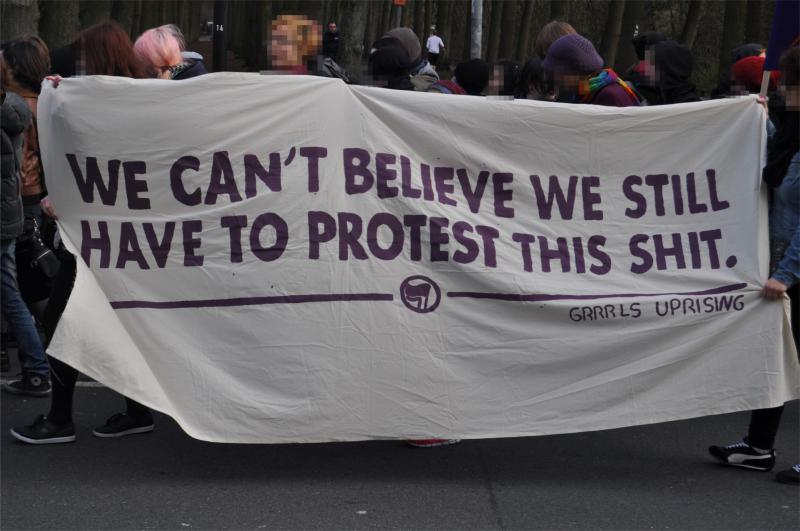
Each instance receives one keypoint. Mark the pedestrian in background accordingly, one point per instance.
(434, 45)
(330, 41)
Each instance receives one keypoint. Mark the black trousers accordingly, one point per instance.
(764, 423)
(63, 376)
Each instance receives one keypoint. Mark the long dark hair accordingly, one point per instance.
(106, 49)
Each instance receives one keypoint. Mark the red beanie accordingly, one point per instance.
(748, 72)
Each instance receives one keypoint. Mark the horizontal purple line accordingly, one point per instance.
(252, 301)
(535, 297)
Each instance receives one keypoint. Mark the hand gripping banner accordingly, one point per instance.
(286, 258)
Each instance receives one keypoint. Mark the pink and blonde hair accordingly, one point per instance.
(159, 47)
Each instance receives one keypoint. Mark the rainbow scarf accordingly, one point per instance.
(603, 79)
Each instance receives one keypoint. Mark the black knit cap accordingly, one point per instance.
(473, 76)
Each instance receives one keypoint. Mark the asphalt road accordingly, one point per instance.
(649, 477)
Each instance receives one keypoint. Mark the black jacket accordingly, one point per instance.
(674, 67)
(330, 44)
(15, 118)
(192, 68)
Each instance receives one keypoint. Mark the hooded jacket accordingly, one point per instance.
(673, 68)
(15, 118)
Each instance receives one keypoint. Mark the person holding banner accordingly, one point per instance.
(103, 49)
(782, 174)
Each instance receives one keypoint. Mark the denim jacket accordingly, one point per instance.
(784, 226)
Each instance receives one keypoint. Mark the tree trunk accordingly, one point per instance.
(486, 29)
(408, 13)
(59, 23)
(419, 20)
(559, 10)
(509, 34)
(374, 13)
(732, 33)
(692, 23)
(386, 18)
(254, 35)
(18, 18)
(459, 45)
(476, 29)
(752, 30)
(632, 21)
(351, 47)
(122, 11)
(444, 24)
(94, 11)
(428, 16)
(496, 30)
(610, 42)
(524, 47)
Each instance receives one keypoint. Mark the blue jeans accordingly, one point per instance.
(19, 319)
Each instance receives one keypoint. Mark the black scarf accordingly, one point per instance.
(785, 145)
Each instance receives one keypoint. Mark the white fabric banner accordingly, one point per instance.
(287, 258)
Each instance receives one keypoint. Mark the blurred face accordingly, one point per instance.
(293, 41)
(285, 47)
(791, 96)
(650, 72)
(332, 27)
(496, 81)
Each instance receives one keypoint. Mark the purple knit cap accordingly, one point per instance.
(572, 54)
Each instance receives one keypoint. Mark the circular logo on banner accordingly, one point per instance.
(420, 294)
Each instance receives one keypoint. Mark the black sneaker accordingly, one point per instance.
(743, 455)
(45, 431)
(30, 385)
(791, 475)
(122, 424)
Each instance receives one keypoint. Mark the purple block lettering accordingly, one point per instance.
(235, 224)
(502, 195)
(415, 222)
(191, 243)
(94, 180)
(160, 249)
(443, 177)
(254, 169)
(350, 228)
(134, 186)
(321, 229)
(222, 181)
(439, 238)
(634, 196)
(100, 243)
(356, 161)
(398, 235)
(384, 173)
(129, 249)
(555, 194)
(273, 252)
(176, 181)
(473, 195)
(313, 154)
